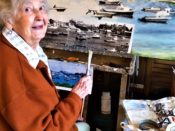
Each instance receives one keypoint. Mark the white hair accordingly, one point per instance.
(8, 9)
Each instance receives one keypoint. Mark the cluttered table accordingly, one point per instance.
(149, 115)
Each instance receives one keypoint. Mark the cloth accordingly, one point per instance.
(28, 98)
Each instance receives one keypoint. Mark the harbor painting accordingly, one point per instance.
(66, 74)
(139, 27)
(73, 27)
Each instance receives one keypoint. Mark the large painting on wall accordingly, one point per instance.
(112, 23)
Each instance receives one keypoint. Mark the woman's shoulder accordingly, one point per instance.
(5, 45)
(9, 56)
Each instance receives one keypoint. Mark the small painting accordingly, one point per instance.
(66, 74)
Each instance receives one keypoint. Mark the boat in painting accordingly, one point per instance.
(160, 17)
(159, 9)
(155, 19)
(96, 36)
(81, 37)
(100, 14)
(152, 9)
(109, 2)
(168, 1)
(120, 10)
(59, 9)
(111, 39)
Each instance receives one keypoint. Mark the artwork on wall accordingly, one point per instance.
(108, 25)
(66, 74)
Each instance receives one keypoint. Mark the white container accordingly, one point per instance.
(105, 103)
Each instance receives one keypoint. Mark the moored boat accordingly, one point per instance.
(96, 36)
(120, 10)
(160, 17)
(96, 12)
(152, 9)
(168, 1)
(109, 2)
(60, 9)
(81, 37)
(156, 19)
(167, 10)
(100, 14)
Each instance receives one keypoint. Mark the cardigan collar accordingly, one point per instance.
(16, 41)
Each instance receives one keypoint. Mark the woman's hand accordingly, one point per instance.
(83, 87)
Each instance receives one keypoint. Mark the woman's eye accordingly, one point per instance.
(28, 9)
(42, 8)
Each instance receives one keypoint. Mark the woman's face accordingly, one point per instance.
(31, 21)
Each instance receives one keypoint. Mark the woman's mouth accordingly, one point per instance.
(37, 27)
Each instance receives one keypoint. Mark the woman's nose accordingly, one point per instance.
(38, 15)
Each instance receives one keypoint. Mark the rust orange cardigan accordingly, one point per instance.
(28, 98)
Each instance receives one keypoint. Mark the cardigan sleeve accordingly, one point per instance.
(24, 114)
(31, 104)
(20, 117)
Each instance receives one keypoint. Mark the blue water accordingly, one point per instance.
(149, 39)
(67, 79)
(152, 39)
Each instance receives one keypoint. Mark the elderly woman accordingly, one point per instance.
(28, 98)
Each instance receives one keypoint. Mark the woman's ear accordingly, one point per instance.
(8, 23)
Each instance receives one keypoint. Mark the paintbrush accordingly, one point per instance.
(87, 73)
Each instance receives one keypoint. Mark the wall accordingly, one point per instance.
(156, 76)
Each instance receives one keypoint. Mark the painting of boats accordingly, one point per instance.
(127, 27)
